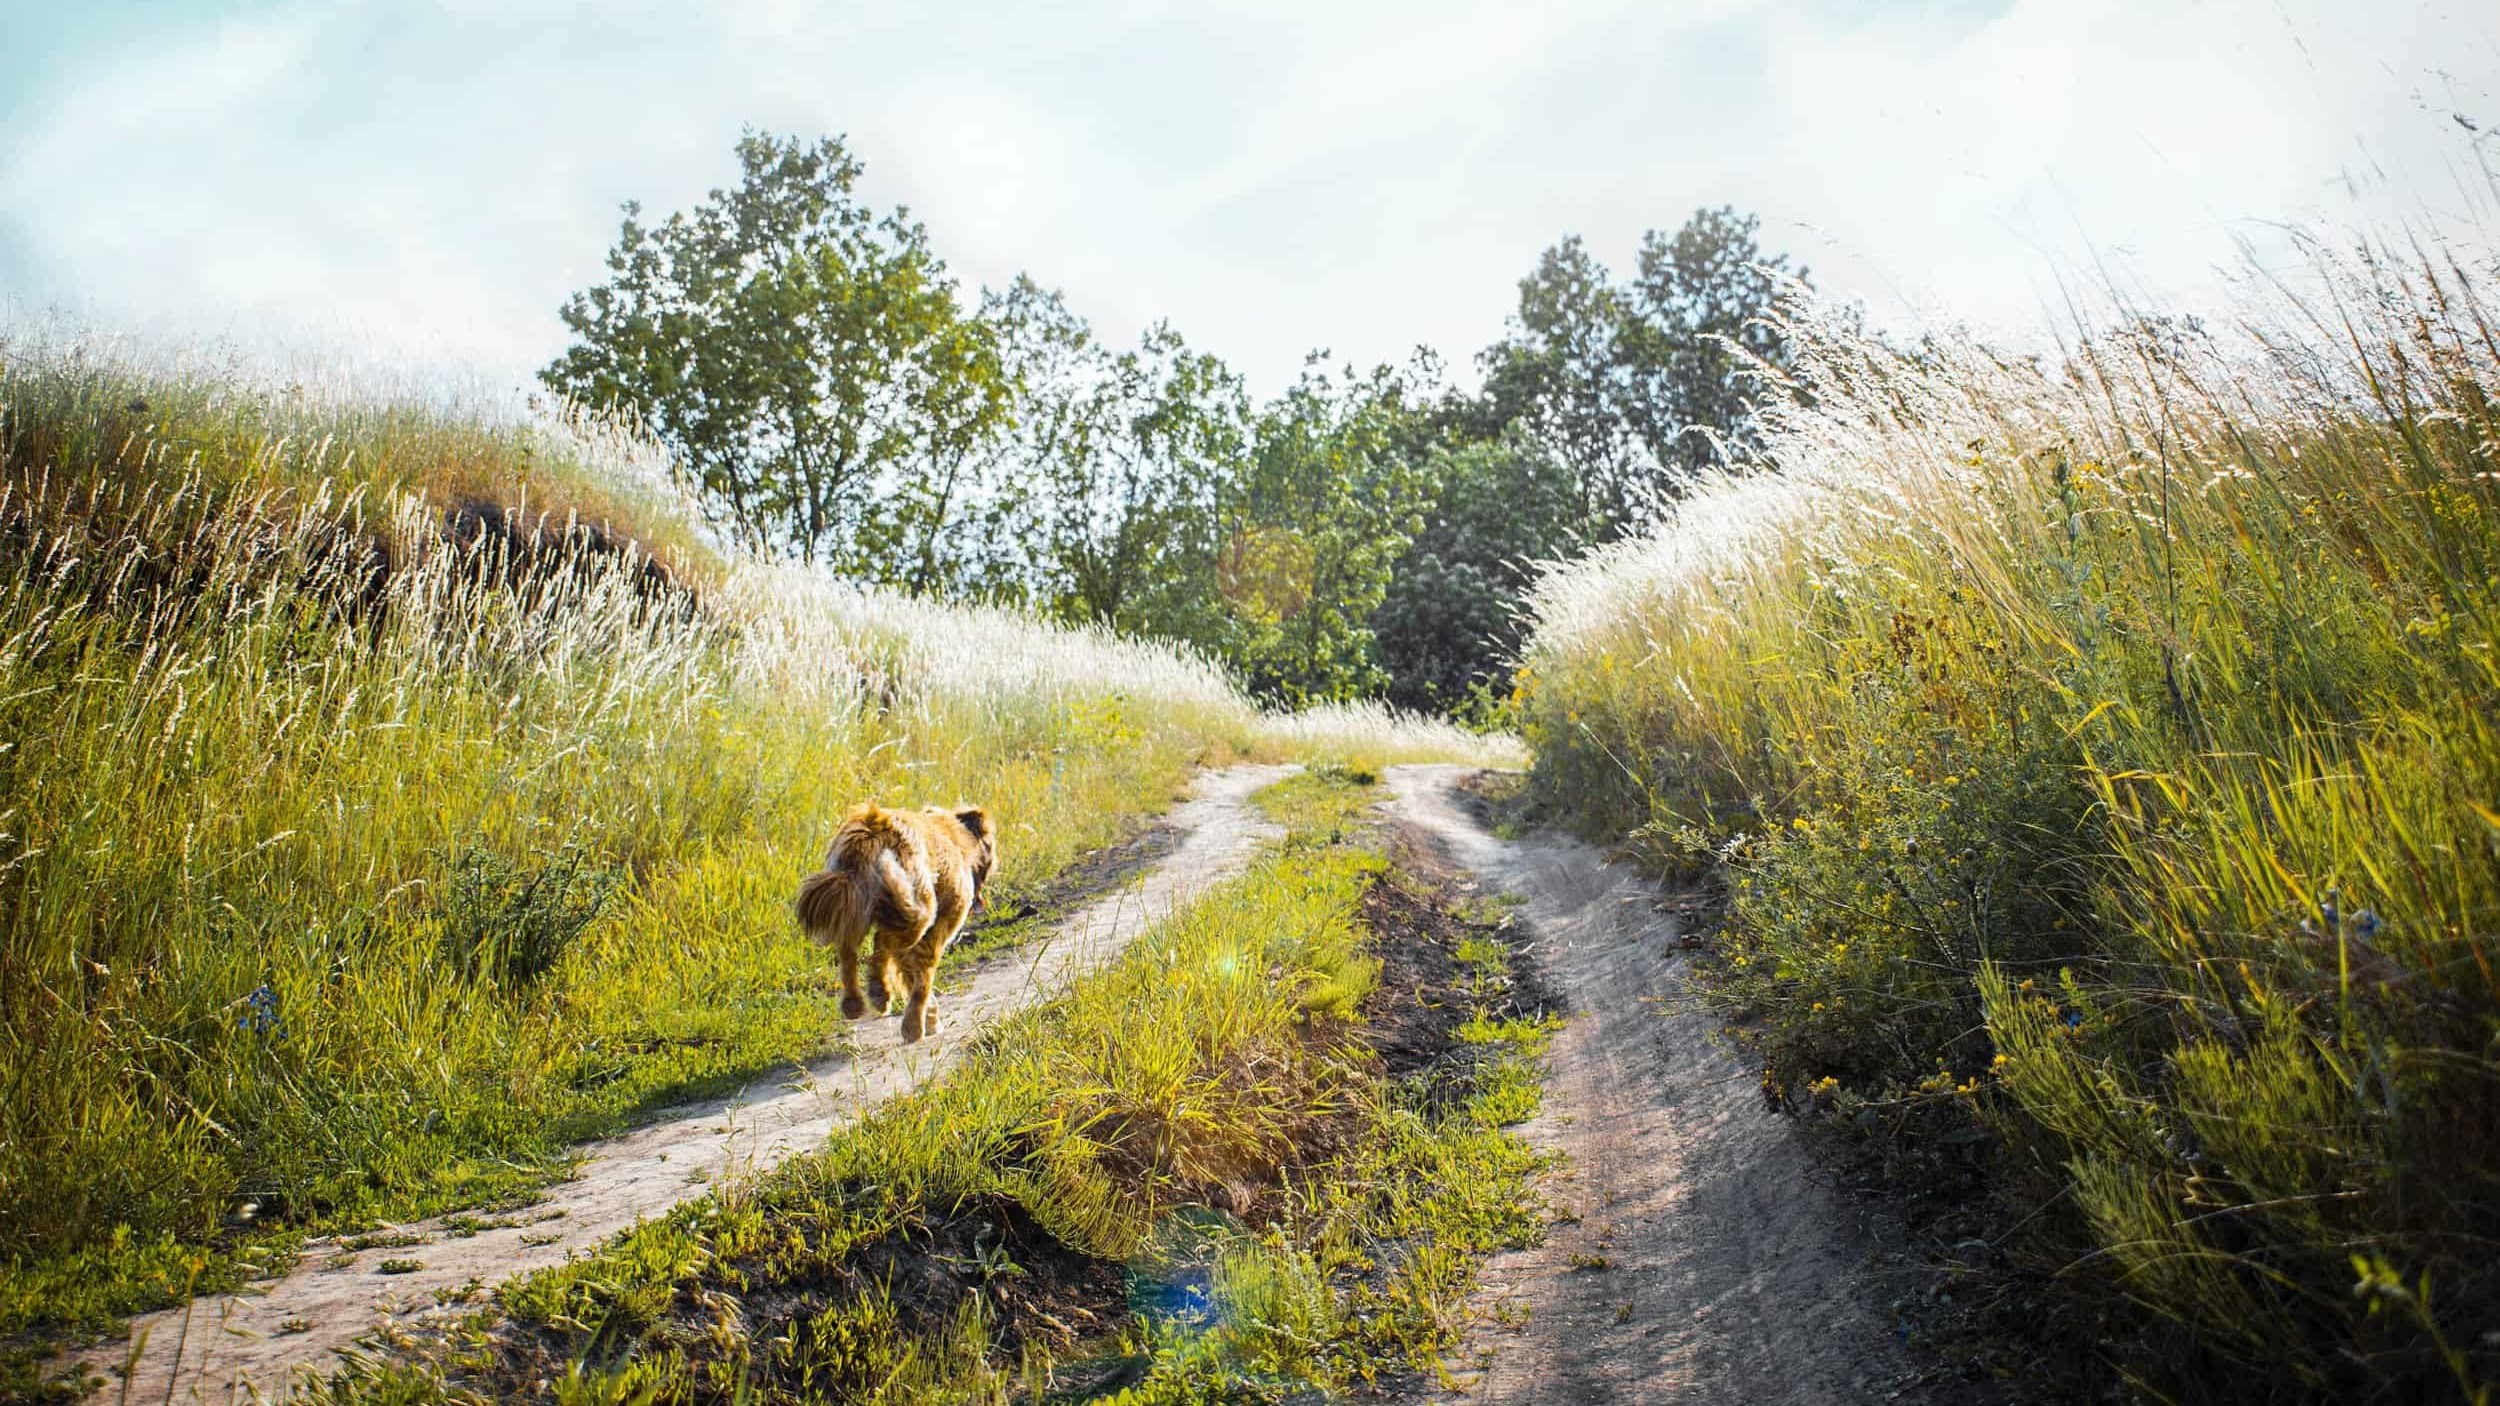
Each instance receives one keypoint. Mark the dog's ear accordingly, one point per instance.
(976, 823)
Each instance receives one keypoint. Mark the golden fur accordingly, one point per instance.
(908, 878)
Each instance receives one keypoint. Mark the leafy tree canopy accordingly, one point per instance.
(1636, 387)
(1449, 624)
(1330, 500)
(809, 362)
(804, 357)
(1127, 465)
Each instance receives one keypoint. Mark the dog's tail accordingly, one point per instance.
(833, 910)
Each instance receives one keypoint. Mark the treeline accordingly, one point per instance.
(833, 395)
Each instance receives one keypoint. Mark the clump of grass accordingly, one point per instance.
(1320, 804)
(510, 922)
(2101, 756)
(1358, 1283)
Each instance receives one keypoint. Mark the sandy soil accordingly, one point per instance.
(233, 1347)
(1697, 1256)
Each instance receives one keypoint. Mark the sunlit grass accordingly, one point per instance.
(261, 710)
(2105, 748)
(1370, 735)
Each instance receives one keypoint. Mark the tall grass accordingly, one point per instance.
(359, 848)
(2102, 750)
(1370, 734)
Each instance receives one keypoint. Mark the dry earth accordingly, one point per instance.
(254, 1343)
(1698, 1256)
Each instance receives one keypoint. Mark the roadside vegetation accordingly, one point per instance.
(2100, 754)
(392, 796)
(1235, 1165)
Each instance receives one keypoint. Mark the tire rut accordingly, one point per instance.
(257, 1342)
(1697, 1254)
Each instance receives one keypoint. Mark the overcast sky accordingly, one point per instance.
(419, 185)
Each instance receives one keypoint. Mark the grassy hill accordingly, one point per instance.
(2103, 752)
(391, 796)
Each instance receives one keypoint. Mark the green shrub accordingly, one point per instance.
(508, 922)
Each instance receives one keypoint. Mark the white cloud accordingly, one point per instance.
(428, 181)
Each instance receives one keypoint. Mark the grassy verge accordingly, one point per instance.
(1232, 1166)
(2101, 757)
(360, 851)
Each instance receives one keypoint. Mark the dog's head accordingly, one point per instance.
(976, 823)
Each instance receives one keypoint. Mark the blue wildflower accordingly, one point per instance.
(260, 1013)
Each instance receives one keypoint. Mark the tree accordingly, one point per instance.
(1142, 500)
(1113, 510)
(1696, 301)
(1449, 625)
(1637, 388)
(1330, 501)
(1562, 375)
(803, 356)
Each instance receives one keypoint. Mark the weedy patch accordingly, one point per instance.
(1356, 1280)
(1320, 805)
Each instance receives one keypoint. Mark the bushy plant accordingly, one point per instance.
(508, 922)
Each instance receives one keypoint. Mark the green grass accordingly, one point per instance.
(345, 877)
(1320, 804)
(2104, 763)
(1214, 1065)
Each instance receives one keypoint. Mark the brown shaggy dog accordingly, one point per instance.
(909, 878)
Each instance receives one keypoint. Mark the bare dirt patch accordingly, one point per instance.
(1426, 990)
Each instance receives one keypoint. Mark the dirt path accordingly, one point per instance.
(228, 1348)
(1708, 1263)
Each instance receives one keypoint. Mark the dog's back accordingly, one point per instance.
(875, 879)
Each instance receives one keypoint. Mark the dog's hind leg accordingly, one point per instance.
(919, 969)
(920, 964)
(916, 1018)
(880, 973)
(940, 935)
(854, 1005)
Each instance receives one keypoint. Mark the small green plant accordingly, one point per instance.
(509, 921)
(1320, 804)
